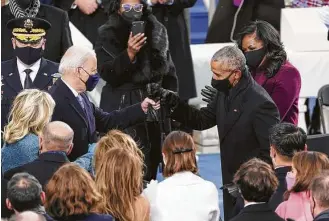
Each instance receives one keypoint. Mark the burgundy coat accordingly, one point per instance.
(284, 88)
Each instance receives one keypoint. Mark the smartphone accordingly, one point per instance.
(137, 27)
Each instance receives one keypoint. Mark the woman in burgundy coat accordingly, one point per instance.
(267, 61)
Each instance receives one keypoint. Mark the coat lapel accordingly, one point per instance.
(12, 78)
(43, 78)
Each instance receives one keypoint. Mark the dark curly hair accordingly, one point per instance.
(112, 6)
(275, 53)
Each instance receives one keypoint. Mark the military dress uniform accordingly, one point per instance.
(15, 74)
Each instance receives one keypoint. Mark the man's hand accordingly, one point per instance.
(148, 102)
(209, 94)
(167, 96)
(87, 6)
(135, 43)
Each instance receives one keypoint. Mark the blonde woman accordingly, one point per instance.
(31, 111)
(114, 139)
(183, 195)
(119, 179)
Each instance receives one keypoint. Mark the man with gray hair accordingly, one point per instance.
(320, 196)
(242, 111)
(79, 74)
(55, 143)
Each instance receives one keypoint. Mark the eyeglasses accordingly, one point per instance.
(128, 7)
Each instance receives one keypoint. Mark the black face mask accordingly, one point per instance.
(222, 85)
(132, 16)
(254, 58)
(28, 55)
(23, 4)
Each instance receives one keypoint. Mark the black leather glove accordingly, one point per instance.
(209, 94)
(168, 97)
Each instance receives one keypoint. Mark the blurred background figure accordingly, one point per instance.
(119, 179)
(128, 63)
(58, 37)
(320, 205)
(64, 192)
(28, 69)
(267, 61)
(31, 111)
(183, 195)
(171, 14)
(305, 167)
(232, 15)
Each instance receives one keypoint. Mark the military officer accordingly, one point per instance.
(28, 69)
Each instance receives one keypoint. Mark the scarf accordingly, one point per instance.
(30, 11)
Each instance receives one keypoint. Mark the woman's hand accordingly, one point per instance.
(135, 43)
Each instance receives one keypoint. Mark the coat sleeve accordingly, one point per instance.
(113, 64)
(286, 91)
(265, 117)
(63, 4)
(193, 118)
(66, 34)
(121, 119)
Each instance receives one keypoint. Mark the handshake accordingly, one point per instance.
(167, 97)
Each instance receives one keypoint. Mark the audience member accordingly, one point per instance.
(119, 179)
(114, 139)
(171, 14)
(71, 194)
(127, 63)
(285, 139)
(257, 182)
(58, 37)
(79, 74)
(31, 111)
(320, 197)
(55, 143)
(242, 110)
(28, 69)
(183, 195)
(305, 166)
(27, 216)
(231, 16)
(267, 60)
(25, 193)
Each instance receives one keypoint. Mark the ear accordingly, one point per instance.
(43, 197)
(69, 150)
(44, 44)
(13, 41)
(272, 152)
(8, 204)
(305, 147)
(238, 75)
(40, 143)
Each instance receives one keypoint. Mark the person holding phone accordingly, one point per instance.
(133, 50)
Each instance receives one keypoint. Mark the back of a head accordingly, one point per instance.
(74, 58)
(57, 136)
(66, 188)
(115, 139)
(119, 179)
(231, 57)
(24, 192)
(287, 139)
(308, 164)
(31, 111)
(179, 151)
(320, 189)
(28, 216)
(256, 181)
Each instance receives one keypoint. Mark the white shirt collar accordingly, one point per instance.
(75, 93)
(21, 67)
(253, 203)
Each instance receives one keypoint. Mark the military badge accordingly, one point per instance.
(55, 77)
(28, 24)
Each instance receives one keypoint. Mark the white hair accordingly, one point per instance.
(75, 57)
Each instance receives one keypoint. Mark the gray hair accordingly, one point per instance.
(319, 186)
(232, 57)
(75, 57)
(57, 135)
